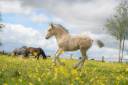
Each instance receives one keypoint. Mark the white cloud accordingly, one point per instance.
(16, 35)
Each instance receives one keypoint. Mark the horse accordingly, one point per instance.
(37, 52)
(20, 51)
(1, 26)
(67, 42)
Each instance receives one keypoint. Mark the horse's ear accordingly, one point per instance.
(51, 24)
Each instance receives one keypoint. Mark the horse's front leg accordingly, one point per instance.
(56, 57)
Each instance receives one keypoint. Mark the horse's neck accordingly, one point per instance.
(60, 36)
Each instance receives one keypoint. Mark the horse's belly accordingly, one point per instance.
(71, 47)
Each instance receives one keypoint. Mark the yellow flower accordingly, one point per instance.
(118, 78)
(20, 80)
(82, 82)
(61, 51)
(5, 84)
(71, 84)
(77, 78)
(74, 72)
(126, 70)
(36, 69)
(39, 79)
(30, 83)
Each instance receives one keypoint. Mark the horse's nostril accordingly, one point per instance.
(46, 37)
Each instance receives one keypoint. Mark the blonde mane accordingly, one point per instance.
(61, 27)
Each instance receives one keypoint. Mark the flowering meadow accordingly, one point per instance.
(18, 71)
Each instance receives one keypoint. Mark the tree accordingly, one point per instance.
(117, 26)
(1, 26)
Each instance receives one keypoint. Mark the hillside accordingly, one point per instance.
(18, 71)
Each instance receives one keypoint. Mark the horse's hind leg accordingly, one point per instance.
(38, 57)
(35, 56)
(80, 63)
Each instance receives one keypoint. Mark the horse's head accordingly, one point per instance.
(50, 31)
(56, 30)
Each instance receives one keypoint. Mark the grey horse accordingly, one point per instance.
(20, 51)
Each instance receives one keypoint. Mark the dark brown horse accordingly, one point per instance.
(37, 52)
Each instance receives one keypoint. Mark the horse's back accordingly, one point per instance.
(84, 41)
(73, 43)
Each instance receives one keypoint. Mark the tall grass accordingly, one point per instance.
(18, 71)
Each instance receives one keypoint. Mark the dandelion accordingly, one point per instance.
(74, 72)
(5, 84)
(118, 78)
(77, 78)
(71, 84)
(39, 79)
(126, 69)
(20, 80)
(61, 51)
(30, 83)
(82, 82)
(37, 70)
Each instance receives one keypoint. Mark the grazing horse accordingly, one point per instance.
(20, 51)
(36, 52)
(66, 42)
(1, 26)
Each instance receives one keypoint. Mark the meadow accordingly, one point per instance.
(18, 71)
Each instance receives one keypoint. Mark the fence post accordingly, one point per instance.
(103, 59)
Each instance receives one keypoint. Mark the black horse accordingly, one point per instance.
(37, 52)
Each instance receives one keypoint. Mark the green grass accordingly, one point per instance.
(18, 71)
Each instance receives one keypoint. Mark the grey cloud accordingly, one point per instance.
(83, 14)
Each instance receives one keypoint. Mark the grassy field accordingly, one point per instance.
(18, 71)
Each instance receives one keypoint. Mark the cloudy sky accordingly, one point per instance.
(27, 22)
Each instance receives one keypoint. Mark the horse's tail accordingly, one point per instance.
(100, 43)
(43, 53)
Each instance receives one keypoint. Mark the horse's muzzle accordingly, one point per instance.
(46, 37)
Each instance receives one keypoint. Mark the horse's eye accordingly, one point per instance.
(49, 30)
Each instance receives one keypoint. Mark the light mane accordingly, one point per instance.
(61, 27)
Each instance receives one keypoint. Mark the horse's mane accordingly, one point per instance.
(62, 27)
